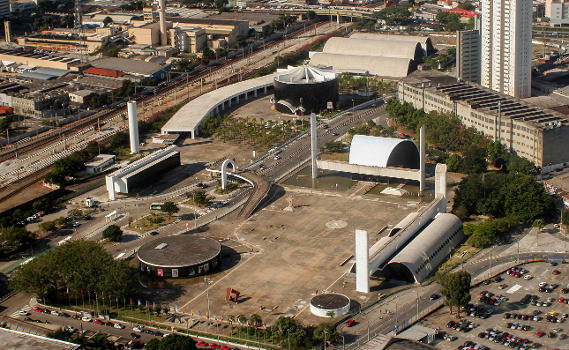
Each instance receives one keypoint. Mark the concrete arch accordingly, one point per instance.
(384, 152)
(224, 171)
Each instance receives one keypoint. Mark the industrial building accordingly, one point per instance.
(221, 33)
(37, 59)
(304, 89)
(34, 97)
(136, 68)
(99, 163)
(188, 39)
(381, 55)
(537, 134)
(179, 256)
(137, 173)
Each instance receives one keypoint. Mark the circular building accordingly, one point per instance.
(180, 256)
(304, 89)
(324, 304)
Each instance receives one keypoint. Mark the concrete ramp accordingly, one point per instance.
(261, 188)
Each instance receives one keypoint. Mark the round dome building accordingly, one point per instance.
(324, 304)
(179, 256)
(304, 89)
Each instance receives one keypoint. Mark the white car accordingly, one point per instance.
(119, 326)
(23, 313)
(137, 329)
(528, 277)
(86, 318)
(54, 313)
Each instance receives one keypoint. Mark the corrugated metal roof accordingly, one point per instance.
(393, 67)
(104, 72)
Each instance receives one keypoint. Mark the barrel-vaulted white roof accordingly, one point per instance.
(375, 48)
(383, 66)
(424, 41)
(383, 152)
(426, 251)
(189, 117)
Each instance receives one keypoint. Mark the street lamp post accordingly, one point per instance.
(207, 282)
(343, 342)
(353, 106)
(325, 339)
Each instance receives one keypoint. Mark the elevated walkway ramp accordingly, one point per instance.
(261, 189)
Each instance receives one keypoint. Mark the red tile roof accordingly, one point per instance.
(104, 72)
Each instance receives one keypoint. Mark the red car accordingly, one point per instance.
(202, 343)
(350, 322)
(556, 272)
(540, 334)
(214, 346)
(37, 309)
(225, 347)
(97, 321)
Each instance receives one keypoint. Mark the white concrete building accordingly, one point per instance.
(557, 11)
(506, 46)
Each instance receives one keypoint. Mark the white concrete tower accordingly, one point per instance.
(362, 261)
(422, 167)
(506, 46)
(441, 185)
(314, 144)
(133, 127)
(162, 18)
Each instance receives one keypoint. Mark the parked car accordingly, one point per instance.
(350, 322)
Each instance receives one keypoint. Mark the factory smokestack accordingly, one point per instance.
(162, 13)
(133, 127)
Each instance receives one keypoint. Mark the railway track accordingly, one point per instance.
(46, 138)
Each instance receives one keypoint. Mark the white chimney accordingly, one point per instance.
(162, 13)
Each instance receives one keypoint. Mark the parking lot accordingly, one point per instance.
(524, 309)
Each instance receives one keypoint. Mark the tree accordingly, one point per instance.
(468, 6)
(107, 20)
(565, 217)
(326, 331)
(454, 163)
(255, 320)
(539, 223)
(170, 208)
(177, 342)
(47, 226)
(76, 266)
(13, 238)
(290, 331)
(456, 289)
(395, 14)
(153, 344)
(113, 233)
(208, 54)
(42, 204)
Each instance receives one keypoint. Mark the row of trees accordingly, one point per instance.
(77, 267)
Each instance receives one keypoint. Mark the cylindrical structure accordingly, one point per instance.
(330, 305)
(304, 89)
(162, 13)
(133, 127)
(313, 145)
(179, 256)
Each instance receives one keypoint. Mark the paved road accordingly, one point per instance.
(298, 151)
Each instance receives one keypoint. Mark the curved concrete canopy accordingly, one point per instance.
(383, 152)
(424, 253)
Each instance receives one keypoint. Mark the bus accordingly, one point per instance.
(156, 206)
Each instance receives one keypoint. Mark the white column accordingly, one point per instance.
(313, 145)
(422, 159)
(441, 184)
(255, 93)
(162, 19)
(110, 180)
(362, 261)
(133, 127)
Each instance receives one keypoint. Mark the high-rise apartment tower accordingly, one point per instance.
(506, 46)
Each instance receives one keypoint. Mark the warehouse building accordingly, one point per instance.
(540, 135)
(387, 56)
